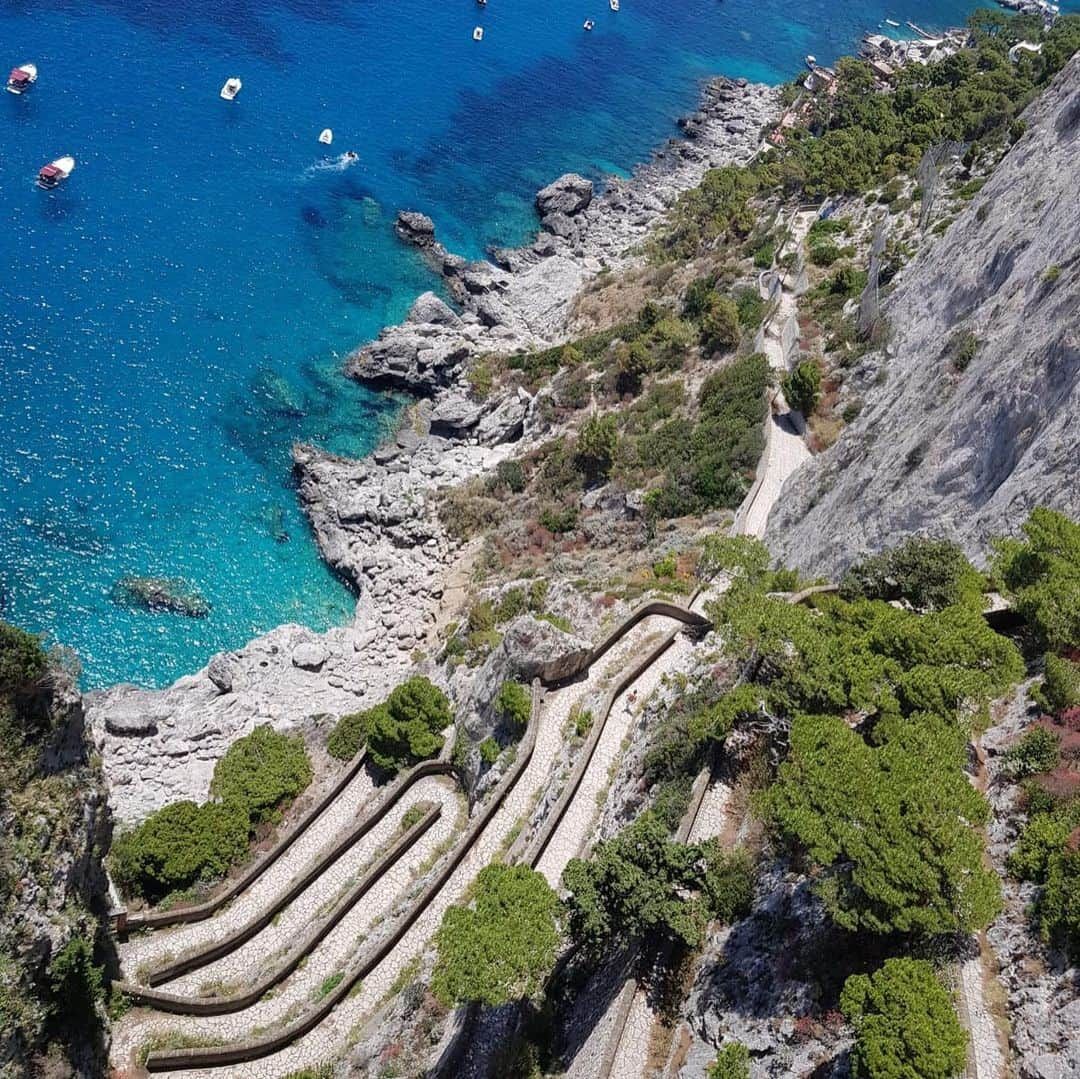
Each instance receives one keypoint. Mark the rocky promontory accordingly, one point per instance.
(375, 519)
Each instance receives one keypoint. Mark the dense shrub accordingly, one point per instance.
(180, 845)
(715, 211)
(22, 660)
(802, 387)
(595, 447)
(1038, 750)
(1042, 572)
(514, 705)
(642, 884)
(489, 750)
(720, 328)
(1060, 687)
(930, 574)
(891, 826)
(732, 1062)
(905, 1024)
(1058, 907)
(502, 948)
(261, 771)
(708, 464)
(349, 735)
(76, 983)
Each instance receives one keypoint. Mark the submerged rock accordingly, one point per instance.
(169, 594)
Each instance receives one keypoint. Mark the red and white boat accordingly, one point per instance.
(55, 172)
(21, 78)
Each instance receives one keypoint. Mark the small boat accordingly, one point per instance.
(53, 174)
(231, 88)
(613, 4)
(326, 136)
(21, 78)
(811, 62)
(891, 22)
(482, 3)
(589, 24)
(478, 34)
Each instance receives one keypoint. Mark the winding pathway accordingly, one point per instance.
(389, 903)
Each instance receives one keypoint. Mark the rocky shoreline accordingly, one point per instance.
(374, 519)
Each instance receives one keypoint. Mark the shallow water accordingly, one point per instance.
(174, 316)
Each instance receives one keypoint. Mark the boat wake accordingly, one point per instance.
(331, 164)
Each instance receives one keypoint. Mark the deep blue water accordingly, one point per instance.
(174, 316)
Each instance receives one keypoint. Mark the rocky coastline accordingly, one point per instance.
(374, 519)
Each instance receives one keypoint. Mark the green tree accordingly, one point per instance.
(732, 1062)
(892, 826)
(1060, 687)
(905, 1023)
(76, 983)
(802, 387)
(643, 884)
(502, 947)
(633, 361)
(930, 574)
(22, 661)
(1042, 572)
(261, 771)
(596, 445)
(514, 704)
(178, 846)
(720, 328)
(406, 728)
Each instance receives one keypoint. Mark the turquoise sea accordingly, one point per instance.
(175, 316)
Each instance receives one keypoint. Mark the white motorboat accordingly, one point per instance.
(21, 78)
(613, 4)
(231, 88)
(589, 24)
(811, 62)
(326, 136)
(55, 173)
(891, 22)
(478, 34)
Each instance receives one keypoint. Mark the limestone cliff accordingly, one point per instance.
(965, 453)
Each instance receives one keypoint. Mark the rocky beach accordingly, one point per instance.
(375, 519)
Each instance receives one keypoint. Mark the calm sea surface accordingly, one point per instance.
(175, 316)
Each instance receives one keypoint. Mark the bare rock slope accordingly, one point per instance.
(966, 453)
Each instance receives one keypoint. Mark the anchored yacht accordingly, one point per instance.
(231, 88)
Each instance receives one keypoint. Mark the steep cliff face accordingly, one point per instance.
(53, 826)
(953, 450)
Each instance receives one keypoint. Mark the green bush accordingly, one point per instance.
(697, 297)
(1042, 572)
(642, 884)
(732, 1062)
(961, 349)
(802, 387)
(76, 984)
(512, 603)
(905, 1024)
(666, 569)
(559, 519)
(22, 660)
(349, 735)
(511, 475)
(260, 772)
(180, 845)
(720, 329)
(1038, 750)
(1060, 687)
(412, 816)
(407, 727)
(482, 617)
(1043, 838)
(514, 705)
(751, 308)
(489, 750)
(1058, 907)
(890, 826)
(502, 948)
(595, 447)
(930, 574)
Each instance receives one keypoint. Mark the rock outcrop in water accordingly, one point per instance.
(166, 594)
(965, 453)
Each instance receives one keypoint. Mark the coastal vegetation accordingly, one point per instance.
(406, 728)
(186, 843)
(52, 950)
